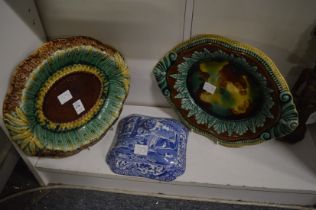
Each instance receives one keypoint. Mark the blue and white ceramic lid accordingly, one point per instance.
(149, 147)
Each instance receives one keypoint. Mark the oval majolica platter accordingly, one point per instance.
(65, 96)
(228, 91)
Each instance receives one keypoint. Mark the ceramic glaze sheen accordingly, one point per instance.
(226, 90)
(149, 147)
(65, 96)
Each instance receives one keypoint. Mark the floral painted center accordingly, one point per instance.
(223, 90)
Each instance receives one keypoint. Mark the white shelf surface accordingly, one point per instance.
(268, 166)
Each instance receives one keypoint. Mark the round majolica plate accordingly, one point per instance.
(226, 90)
(65, 96)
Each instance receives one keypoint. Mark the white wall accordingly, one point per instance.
(143, 30)
(21, 33)
(280, 28)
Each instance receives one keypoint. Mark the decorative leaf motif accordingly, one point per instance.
(288, 119)
(161, 68)
(34, 138)
(18, 125)
(201, 116)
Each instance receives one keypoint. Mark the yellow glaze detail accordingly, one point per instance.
(18, 126)
(120, 64)
(273, 67)
(215, 66)
(240, 97)
(51, 81)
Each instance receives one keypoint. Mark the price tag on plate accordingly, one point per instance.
(208, 87)
(141, 149)
(64, 97)
(78, 106)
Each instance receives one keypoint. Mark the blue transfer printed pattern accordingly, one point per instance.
(166, 140)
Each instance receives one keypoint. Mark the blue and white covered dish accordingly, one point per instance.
(149, 147)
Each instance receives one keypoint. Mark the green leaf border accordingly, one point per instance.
(35, 139)
(287, 122)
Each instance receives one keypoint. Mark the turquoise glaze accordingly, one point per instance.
(251, 101)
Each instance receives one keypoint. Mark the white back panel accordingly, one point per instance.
(280, 28)
(21, 33)
(143, 30)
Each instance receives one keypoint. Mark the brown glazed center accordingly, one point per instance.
(82, 85)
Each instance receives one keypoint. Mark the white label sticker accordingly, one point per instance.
(64, 97)
(78, 106)
(209, 87)
(140, 149)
